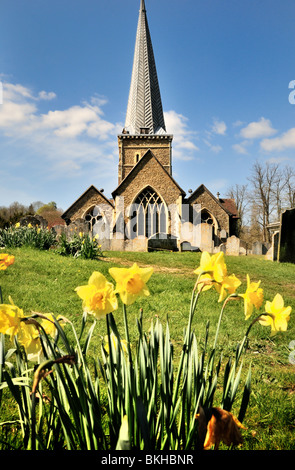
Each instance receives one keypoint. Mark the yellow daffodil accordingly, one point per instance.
(5, 261)
(131, 282)
(10, 319)
(28, 337)
(213, 272)
(278, 317)
(223, 426)
(114, 341)
(253, 297)
(17, 225)
(98, 296)
(30, 226)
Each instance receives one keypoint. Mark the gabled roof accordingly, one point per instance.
(139, 163)
(91, 188)
(144, 108)
(228, 205)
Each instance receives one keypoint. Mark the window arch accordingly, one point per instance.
(149, 214)
(92, 216)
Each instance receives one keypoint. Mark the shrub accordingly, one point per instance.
(35, 237)
(79, 245)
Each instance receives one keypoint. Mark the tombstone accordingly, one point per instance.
(286, 249)
(34, 220)
(206, 238)
(222, 247)
(233, 246)
(257, 248)
(275, 245)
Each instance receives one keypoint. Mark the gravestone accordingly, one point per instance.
(257, 248)
(233, 246)
(34, 220)
(207, 243)
(286, 250)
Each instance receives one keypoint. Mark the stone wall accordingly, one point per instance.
(131, 146)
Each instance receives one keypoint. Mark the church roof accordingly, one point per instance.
(91, 189)
(140, 163)
(144, 110)
(227, 204)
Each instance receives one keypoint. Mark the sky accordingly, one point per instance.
(226, 71)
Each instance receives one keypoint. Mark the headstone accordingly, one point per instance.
(207, 243)
(257, 248)
(275, 245)
(34, 220)
(286, 251)
(233, 246)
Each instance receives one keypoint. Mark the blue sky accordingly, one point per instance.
(224, 68)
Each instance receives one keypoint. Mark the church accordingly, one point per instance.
(148, 209)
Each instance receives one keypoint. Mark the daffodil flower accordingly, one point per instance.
(278, 315)
(131, 282)
(98, 296)
(10, 319)
(253, 297)
(213, 272)
(222, 426)
(5, 261)
(114, 342)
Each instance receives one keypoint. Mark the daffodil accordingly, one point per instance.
(213, 272)
(114, 342)
(10, 319)
(5, 261)
(131, 282)
(28, 337)
(278, 315)
(222, 426)
(98, 296)
(253, 297)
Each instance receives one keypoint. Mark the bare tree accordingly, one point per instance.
(239, 193)
(263, 180)
(289, 177)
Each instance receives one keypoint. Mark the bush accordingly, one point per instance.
(79, 245)
(35, 237)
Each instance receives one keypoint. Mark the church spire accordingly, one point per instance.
(144, 110)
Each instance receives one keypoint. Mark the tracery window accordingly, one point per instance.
(149, 214)
(93, 216)
(206, 218)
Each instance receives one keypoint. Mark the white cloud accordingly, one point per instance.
(59, 142)
(184, 146)
(257, 130)
(47, 96)
(219, 127)
(284, 142)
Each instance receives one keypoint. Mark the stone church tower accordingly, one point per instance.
(146, 210)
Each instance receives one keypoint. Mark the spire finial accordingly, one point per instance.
(142, 5)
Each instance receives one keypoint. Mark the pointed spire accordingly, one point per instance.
(142, 6)
(144, 109)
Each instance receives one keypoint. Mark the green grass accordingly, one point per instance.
(45, 282)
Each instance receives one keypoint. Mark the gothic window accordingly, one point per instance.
(93, 216)
(150, 214)
(206, 218)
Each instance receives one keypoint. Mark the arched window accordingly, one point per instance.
(93, 216)
(149, 214)
(206, 217)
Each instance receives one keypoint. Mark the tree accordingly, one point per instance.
(240, 194)
(264, 179)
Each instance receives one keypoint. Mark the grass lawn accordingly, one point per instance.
(45, 282)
